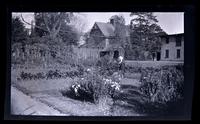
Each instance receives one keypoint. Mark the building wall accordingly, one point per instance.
(171, 46)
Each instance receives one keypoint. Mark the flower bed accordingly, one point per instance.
(163, 84)
(52, 74)
(94, 86)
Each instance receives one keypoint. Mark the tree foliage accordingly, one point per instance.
(56, 26)
(122, 34)
(120, 31)
(19, 34)
(71, 37)
(51, 22)
(144, 32)
(55, 33)
(118, 19)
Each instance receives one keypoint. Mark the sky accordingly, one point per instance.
(170, 22)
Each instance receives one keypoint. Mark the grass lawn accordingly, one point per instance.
(130, 102)
(151, 63)
(49, 93)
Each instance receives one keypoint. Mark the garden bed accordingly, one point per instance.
(103, 91)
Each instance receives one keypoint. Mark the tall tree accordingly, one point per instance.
(42, 31)
(145, 31)
(79, 22)
(51, 22)
(19, 33)
(118, 19)
(120, 31)
(71, 37)
(122, 34)
(56, 26)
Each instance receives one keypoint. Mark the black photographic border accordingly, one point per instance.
(189, 48)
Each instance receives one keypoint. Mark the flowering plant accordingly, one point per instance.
(96, 86)
(163, 84)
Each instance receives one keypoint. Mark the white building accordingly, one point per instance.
(172, 48)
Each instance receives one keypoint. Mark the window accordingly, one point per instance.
(178, 53)
(178, 41)
(166, 53)
(167, 40)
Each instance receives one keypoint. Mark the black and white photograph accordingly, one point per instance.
(97, 64)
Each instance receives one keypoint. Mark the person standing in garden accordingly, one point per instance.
(121, 64)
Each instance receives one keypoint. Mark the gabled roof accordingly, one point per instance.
(106, 28)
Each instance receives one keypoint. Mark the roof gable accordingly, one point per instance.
(106, 28)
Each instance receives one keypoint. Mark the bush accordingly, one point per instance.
(95, 86)
(30, 76)
(164, 84)
(131, 69)
(86, 62)
(53, 74)
(108, 68)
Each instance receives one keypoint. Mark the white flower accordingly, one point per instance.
(120, 59)
(116, 88)
(73, 86)
(76, 90)
(88, 69)
(113, 85)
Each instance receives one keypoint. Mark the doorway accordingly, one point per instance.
(158, 56)
(116, 54)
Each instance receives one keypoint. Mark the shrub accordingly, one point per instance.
(40, 75)
(131, 69)
(164, 84)
(54, 74)
(26, 76)
(95, 86)
(86, 62)
(107, 67)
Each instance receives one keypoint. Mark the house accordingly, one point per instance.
(102, 38)
(172, 48)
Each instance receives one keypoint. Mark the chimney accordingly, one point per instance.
(112, 21)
